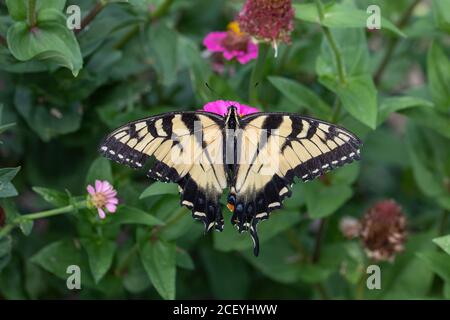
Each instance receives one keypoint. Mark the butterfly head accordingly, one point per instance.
(232, 118)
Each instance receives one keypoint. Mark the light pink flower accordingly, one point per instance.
(232, 44)
(221, 107)
(103, 196)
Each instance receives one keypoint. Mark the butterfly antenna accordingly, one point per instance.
(211, 89)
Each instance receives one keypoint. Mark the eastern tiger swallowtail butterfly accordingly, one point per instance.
(256, 156)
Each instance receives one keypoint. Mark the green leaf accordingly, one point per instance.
(131, 215)
(6, 187)
(395, 104)
(184, 260)
(164, 45)
(300, 95)
(443, 242)
(50, 4)
(55, 197)
(26, 227)
(438, 262)
(428, 177)
(40, 118)
(439, 123)
(438, 67)
(48, 41)
(199, 69)
(5, 246)
(322, 200)
(17, 9)
(234, 281)
(100, 253)
(4, 127)
(159, 261)
(158, 188)
(340, 16)
(358, 96)
(100, 169)
(279, 221)
(356, 91)
(135, 280)
(441, 14)
(276, 262)
(57, 256)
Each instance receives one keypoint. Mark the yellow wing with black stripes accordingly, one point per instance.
(273, 148)
(185, 148)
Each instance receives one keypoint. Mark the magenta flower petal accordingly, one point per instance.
(113, 201)
(90, 190)
(111, 193)
(244, 109)
(213, 41)
(232, 44)
(252, 53)
(221, 107)
(111, 207)
(101, 213)
(98, 185)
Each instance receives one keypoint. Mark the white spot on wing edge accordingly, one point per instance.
(190, 204)
(274, 204)
(261, 215)
(199, 214)
(283, 191)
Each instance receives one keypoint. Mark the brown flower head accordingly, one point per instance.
(268, 20)
(383, 230)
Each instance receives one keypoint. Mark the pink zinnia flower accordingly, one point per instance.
(268, 20)
(103, 196)
(232, 44)
(221, 107)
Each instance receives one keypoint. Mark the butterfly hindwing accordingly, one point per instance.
(274, 149)
(185, 148)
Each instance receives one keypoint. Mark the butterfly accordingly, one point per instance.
(256, 157)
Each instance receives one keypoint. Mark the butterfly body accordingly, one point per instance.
(256, 156)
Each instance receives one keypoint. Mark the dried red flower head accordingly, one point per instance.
(383, 230)
(350, 227)
(268, 20)
(2, 217)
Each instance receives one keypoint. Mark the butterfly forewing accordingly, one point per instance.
(186, 148)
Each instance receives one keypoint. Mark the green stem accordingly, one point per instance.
(53, 212)
(32, 13)
(336, 111)
(292, 237)
(127, 260)
(332, 43)
(162, 10)
(257, 73)
(6, 230)
(443, 222)
(317, 246)
(91, 15)
(42, 214)
(393, 43)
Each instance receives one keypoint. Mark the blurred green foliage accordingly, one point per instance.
(62, 91)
